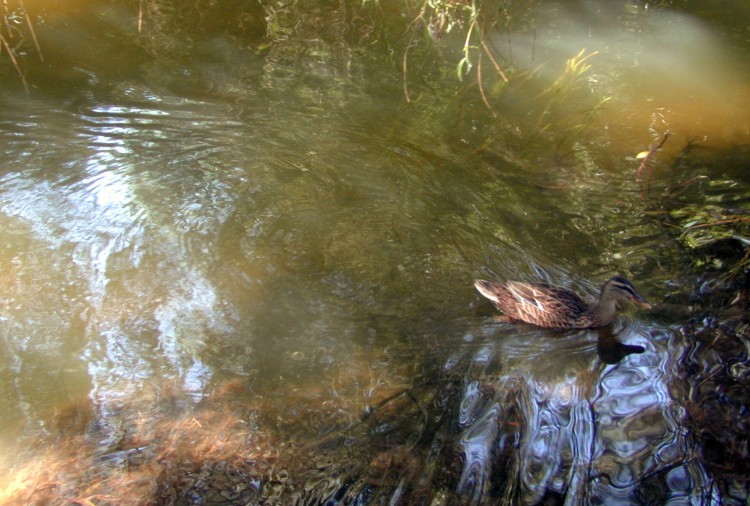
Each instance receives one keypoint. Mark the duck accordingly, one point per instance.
(550, 306)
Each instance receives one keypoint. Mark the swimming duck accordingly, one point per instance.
(555, 307)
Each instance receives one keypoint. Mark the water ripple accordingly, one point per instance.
(109, 217)
(477, 445)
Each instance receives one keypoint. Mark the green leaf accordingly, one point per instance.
(459, 69)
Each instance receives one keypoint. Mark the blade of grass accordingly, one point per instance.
(4, 43)
(31, 29)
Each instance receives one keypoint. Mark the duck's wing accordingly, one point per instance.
(545, 305)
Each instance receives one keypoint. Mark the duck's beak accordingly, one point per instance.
(642, 303)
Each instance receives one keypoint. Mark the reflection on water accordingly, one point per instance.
(264, 294)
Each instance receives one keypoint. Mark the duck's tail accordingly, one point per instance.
(489, 289)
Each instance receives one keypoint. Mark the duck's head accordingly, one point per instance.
(619, 288)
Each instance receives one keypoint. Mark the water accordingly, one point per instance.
(244, 276)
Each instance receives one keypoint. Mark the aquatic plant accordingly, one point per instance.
(703, 206)
(474, 19)
(559, 94)
(15, 26)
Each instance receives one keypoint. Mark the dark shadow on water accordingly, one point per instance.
(611, 350)
(515, 416)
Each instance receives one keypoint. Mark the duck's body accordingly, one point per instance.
(555, 307)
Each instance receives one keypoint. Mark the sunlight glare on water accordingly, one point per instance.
(661, 71)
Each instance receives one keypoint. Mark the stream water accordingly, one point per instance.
(233, 274)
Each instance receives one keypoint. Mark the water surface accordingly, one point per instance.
(242, 275)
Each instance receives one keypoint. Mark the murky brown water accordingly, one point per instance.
(238, 275)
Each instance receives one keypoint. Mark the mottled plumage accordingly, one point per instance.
(554, 307)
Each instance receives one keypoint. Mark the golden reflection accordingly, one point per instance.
(653, 72)
(154, 446)
(158, 444)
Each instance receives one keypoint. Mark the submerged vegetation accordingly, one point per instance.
(16, 30)
(472, 21)
(704, 208)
